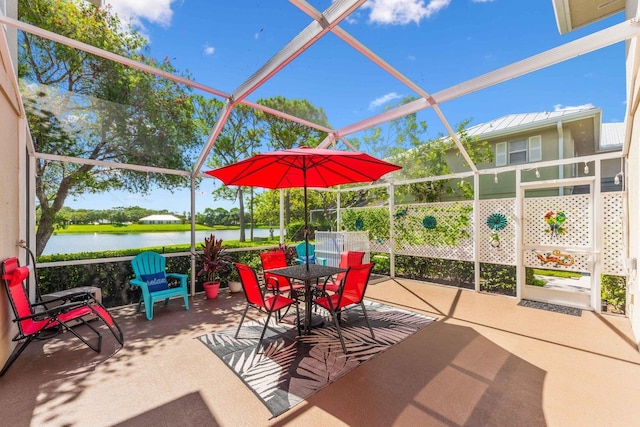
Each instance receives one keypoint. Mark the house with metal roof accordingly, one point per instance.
(526, 141)
(160, 219)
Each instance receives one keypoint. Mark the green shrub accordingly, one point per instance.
(373, 220)
(113, 277)
(382, 263)
(613, 292)
(443, 271)
(530, 278)
(498, 279)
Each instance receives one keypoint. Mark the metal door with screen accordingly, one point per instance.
(558, 242)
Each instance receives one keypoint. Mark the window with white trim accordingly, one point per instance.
(519, 152)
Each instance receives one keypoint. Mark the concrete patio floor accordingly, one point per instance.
(485, 362)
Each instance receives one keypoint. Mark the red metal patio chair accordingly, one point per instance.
(350, 293)
(37, 321)
(273, 282)
(257, 299)
(347, 259)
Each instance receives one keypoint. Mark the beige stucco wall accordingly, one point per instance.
(10, 189)
(10, 224)
(633, 171)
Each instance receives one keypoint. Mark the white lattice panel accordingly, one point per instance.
(611, 216)
(578, 225)
(447, 216)
(380, 245)
(582, 262)
(490, 251)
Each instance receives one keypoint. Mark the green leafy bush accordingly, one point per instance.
(410, 226)
(443, 271)
(613, 292)
(373, 220)
(530, 278)
(382, 263)
(295, 230)
(498, 279)
(113, 277)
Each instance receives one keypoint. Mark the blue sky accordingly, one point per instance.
(437, 44)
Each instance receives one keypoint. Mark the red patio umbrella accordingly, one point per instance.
(301, 168)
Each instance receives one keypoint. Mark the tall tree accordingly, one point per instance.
(240, 137)
(404, 142)
(80, 105)
(284, 134)
(268, 203)
(433, 158)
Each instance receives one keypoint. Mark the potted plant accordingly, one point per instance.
(234, 281)
(289, 253)
(216, 265)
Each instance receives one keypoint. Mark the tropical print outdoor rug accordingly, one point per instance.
(290, 368)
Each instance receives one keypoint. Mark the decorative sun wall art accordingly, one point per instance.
(429, 222)
(496, 222)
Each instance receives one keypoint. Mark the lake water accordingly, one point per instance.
(72, 243)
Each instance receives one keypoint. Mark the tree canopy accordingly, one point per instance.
(241, 137)
(81, 105)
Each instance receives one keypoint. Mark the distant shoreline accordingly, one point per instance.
(138, 228)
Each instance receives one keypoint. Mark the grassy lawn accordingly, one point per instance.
(535, 276)
(130, 228)
(140, 228)
(229, 244)
(557, 273)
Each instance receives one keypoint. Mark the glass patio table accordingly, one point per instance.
(307, 275)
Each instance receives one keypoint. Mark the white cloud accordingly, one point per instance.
(354, 18)
(482, 1)
(208, 50)
(135, 12)
(559, 107)
(402, 12)
(383, 100)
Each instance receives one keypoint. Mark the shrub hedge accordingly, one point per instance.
(442, 271)
(113, 277)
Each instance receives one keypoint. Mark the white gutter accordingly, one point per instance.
(560, 153)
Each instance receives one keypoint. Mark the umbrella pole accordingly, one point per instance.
(306, 218)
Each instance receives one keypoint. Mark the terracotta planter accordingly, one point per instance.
(211, 289)
(235, 287)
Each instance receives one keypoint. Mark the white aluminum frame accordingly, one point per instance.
(322, 24)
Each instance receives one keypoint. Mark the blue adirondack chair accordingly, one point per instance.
(301, 251)
(151, 277)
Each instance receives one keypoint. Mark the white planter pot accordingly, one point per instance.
(235, 286)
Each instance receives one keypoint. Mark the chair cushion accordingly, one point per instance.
(156, 281)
